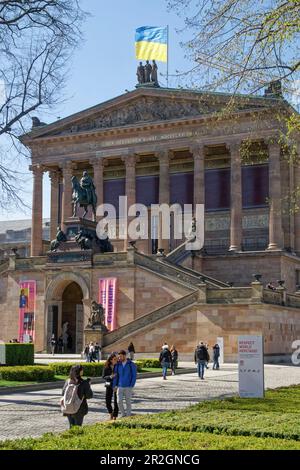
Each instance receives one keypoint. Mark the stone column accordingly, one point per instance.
(37, 211)
(236, 226)
(98, 165)
(130, 188)
(275, 215)
(164, 193)
(67, 194)
(54, 222)
(199, 181)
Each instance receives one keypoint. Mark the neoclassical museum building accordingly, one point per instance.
(164, 146)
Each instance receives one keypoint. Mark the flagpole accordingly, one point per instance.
(167, 56)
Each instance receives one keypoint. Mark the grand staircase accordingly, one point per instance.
(150, 318)
(164, 266)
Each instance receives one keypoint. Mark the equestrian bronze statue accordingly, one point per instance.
(84, 195)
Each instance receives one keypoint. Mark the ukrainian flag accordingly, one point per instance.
(151, 43)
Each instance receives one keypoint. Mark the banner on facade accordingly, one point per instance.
(251, 366)
(27, 298)
(107, 297)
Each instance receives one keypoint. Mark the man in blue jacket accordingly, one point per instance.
(124, 381)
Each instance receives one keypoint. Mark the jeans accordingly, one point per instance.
(75, 420)
(201, 367)
(124, 392)
(110, 394)
(216, 363)
(165, 366)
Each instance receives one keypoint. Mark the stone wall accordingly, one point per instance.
(154, 291)
(279, 325)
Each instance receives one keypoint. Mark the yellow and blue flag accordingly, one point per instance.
(151, 43)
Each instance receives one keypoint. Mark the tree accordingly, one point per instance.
(37, 38)
(246, 44)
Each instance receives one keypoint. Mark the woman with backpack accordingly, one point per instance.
(174, 362)
(108, 375)
(75, 393)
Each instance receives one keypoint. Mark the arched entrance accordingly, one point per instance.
(67, 302)
(72, 318)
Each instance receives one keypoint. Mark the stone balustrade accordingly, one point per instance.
(150, 318)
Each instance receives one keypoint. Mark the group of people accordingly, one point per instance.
(119, 374)
(92, 352)
(62, 345)
(201, 357)
(168, 359)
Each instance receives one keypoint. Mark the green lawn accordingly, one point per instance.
(234, 423)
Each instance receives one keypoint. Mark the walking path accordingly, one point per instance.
(35, 413)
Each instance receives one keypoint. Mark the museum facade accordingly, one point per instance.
(164, 146)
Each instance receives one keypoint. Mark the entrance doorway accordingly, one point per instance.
(72, 319)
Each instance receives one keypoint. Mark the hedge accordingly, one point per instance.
(19, 354)
(90, 369)
(148, 364)
(27, 374)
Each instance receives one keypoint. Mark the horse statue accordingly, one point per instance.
(84, 195)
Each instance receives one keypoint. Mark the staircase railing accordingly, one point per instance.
(150, 318)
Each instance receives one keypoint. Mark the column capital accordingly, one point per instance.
(197, 150)
(97, 162)
(130, 160)
(54, 176)
(273, 146)
(164, 156)
(37, 170)
(234, 145)
(68, 166)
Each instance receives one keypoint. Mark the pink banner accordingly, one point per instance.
(107, 297)
(27, 297)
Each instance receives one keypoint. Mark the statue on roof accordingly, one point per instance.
(141, 73)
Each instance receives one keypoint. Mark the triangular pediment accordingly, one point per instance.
(144, 106)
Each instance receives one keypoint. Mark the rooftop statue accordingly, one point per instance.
(84, 194)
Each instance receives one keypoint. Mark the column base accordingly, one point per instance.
(273, 247)
(234, 248)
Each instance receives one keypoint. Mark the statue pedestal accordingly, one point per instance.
(73, 225)
(93, 335)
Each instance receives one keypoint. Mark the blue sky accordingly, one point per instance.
(105, 65)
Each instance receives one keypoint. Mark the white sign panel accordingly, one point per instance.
(251, 366)
(220, 342)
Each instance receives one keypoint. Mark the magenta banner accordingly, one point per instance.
(107, 297)
(27, 297)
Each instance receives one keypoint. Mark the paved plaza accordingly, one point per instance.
(35, 413)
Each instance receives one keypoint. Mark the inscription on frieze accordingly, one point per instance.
(217, 223)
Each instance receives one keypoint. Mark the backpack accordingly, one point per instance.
(70, 402)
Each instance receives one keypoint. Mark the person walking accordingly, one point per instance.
(165, 359)
(53, 344)
(108, 375)
(124, 382)
(86, 353)
(131, 351)
(174, 359)
(60, 345)
(201, 357)
(76, 392)
(216, 355)
(92, 353)
(98, 352)
(206, 364)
